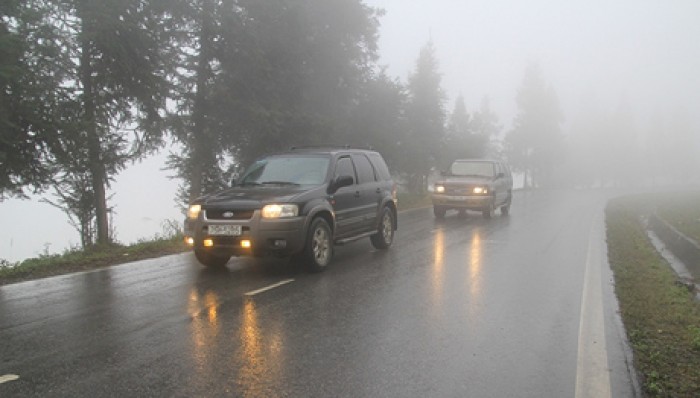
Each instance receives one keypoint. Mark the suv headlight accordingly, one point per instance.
(481, 190)
(439, 188)
(193, 211)
(280, 211)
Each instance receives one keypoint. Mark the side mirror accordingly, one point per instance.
(233, 182)
(500, 175)
(341, 181)
(444, 173)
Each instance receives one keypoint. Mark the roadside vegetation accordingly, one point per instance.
(171, 241)
(683, 212)
(661, 316)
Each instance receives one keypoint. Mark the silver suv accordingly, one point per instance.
(299, 203)
(474, 184)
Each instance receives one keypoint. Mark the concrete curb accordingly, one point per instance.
(684, 248)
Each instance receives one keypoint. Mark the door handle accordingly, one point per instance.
(379, 190)
(357, 194)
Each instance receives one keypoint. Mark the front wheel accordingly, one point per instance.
(318, 250)
(439, 212)
(209, 259)
(488, 212)
(505, 210)
(385, 232)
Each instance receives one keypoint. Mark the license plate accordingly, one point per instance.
(458, 198)
(227, 230)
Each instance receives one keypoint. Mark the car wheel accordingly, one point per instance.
(385, 232)
(209, 259)
(439, 211)
(488, 212)
(319, 245)
(505, 210)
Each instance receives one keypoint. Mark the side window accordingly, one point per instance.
(499, 169)
(380, 166)
(365, 172)
(344, 167)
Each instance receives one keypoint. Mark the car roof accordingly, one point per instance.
(326, 150)
(479, 160)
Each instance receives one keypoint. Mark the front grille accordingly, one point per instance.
(460, 190)
(218, 214)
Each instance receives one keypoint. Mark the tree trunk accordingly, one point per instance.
(95, 165)
(199, 135)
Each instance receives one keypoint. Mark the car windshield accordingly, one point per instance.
(290, 170)
(481, 169)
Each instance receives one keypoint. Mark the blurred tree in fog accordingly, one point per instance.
(425, 115)
(378, 120)
(485, 125)
(462, 139)
(100, 73)
(258, 77)
(535, 145)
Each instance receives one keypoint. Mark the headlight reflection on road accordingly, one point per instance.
(260, 361)
(475, 267)
(203, 309)
(438, 272)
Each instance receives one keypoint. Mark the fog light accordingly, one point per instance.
(189, 240)
(280, 243)
(208, 243)
(245, 243)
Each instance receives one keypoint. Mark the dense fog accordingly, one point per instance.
(572, 94)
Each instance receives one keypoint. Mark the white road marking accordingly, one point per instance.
(6, 378)
(592, 371)
(266, 288)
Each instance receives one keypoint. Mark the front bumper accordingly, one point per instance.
(281, 236)
(470, 202)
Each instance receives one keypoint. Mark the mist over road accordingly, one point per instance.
(513, 306)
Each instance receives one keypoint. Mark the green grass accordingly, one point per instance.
(682, 211)
(411, 201)
(103, 256)
(661, 317)
(93, 258)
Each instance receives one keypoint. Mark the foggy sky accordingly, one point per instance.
(593, 53)
(644, 52)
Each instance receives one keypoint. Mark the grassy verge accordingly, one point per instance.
(102, 256)
(683, 212)
(93, 258)
(661, 317)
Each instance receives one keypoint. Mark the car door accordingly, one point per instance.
(346, 201)
(370, 191)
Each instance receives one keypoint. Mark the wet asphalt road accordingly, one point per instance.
(517, 306)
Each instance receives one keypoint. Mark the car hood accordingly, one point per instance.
(465, 180)
(253, 196)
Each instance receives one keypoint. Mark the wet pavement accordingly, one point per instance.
(517, 306)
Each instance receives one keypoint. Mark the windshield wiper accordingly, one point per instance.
(244, 183)
(278, 183)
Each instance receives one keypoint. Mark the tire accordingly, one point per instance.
(385, 231)
(211, 260)
(318, 249)
(505, 210)
(439, 212)
(488, 212)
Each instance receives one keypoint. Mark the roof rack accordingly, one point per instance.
(329, 146)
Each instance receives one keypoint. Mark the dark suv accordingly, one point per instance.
(474, 184)
(298, 203)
